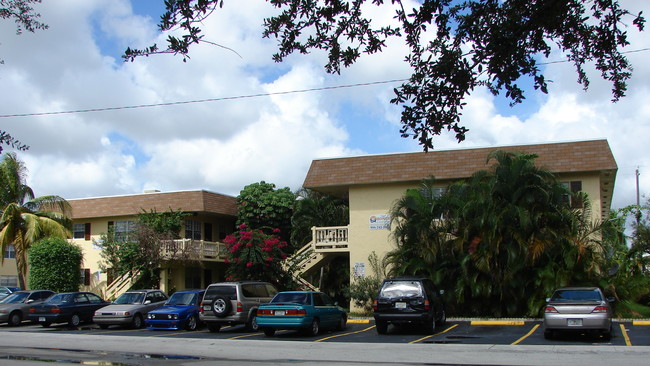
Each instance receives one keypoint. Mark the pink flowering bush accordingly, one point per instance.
(253, 254)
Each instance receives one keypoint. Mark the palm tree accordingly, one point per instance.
(312, 208)
(26, 219)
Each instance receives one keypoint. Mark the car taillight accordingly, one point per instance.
(427, 305)
(201, 307)
(240, 307)
(374, 305)
(299, 312)
(600, 309)
(32, 310)
(550, 309)
(265, 312)
(55, 310)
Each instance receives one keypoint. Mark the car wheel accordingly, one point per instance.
(15, 319)
(74, 320)
(314, 328)
(342, 322)
(221, 306)
(269, 332)
(443, 318)
(251, 325)
(431, 325)
(46, 324)
(607, 334)
(214, 328)
(103, 326)
(137, 321)
(381, 326)
(192, 323)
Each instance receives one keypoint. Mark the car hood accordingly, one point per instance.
(121, 307)
(173, 309)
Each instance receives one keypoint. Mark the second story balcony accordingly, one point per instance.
(193, 249)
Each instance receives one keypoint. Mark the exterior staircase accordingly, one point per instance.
(121, 285)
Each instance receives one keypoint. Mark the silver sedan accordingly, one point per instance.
(578, 309)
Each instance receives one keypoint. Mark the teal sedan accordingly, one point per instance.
(306, 311)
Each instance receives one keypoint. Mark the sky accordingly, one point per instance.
(224, 145)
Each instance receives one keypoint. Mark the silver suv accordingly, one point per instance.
(230, 303)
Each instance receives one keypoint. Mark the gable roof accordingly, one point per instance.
(335, 176)
(127, 205)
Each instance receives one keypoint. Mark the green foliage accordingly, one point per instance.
(315, 209)
(261, 206)
(154, 242)
(255, 255)
(55, 265)
(499, 242)
(364, 289)
(453, 46)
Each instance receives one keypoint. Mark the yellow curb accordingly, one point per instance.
(641, 322)
(497, 322)
(358, 321)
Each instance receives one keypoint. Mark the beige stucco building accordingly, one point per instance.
(370, 183)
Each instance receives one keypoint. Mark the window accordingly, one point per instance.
(81, 231)
(11, 281)
(574, 187)
(193, 229)
(10, 252)
(122, 230)
(85, 276)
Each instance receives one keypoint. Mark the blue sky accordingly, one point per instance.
(223, 145)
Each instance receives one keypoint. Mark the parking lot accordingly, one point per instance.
(508, 332)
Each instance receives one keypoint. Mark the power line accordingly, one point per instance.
(239, 96)
(199, 100)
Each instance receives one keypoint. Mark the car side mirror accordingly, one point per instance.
(611, 299)
(548, 299)
(30, 301)
(147, 302)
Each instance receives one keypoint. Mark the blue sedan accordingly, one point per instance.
(181, 311)
(306, 311)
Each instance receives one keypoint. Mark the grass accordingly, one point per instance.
(630, 310)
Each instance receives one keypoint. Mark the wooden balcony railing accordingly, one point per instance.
(193, 249)
(333, 238)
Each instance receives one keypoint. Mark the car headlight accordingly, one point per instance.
(172, 316)
(150, 316)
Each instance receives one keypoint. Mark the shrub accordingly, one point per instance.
(54, 265)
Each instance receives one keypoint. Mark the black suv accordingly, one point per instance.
(410, 300)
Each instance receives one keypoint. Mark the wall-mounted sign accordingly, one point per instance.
(379, 222)
(359, 269)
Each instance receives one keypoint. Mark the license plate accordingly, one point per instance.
(400, 305)
(279, 312)
(574, 322)
(41, 318)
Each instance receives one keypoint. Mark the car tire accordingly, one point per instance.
(430, 327)
(443, 318)
(313, 329)
(607, 334)
(251, 324)
(269, 332)
(381, 326)
(74, 321)
(103, 326)
(46, 324)
(221, 306)
(192, 323)
(342, 322)
(137, 321)
(214, 328)
(15, 319)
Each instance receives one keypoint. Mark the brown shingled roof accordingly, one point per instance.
(568, 157)
(188, 201)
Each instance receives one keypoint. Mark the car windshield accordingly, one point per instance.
(130, 298)
(60, 298)
(576, 295)
(393, 289)
(183, 298)
(297, 298)
(14, 298)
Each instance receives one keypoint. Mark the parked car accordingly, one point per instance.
(408, 300)
(578, 309)
(306, 311)
(130, 308)
(231, 303)
(15, 307)
(67, 307)
(7, 290)
(181, 311)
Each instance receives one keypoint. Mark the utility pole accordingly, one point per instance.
(638, 203)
